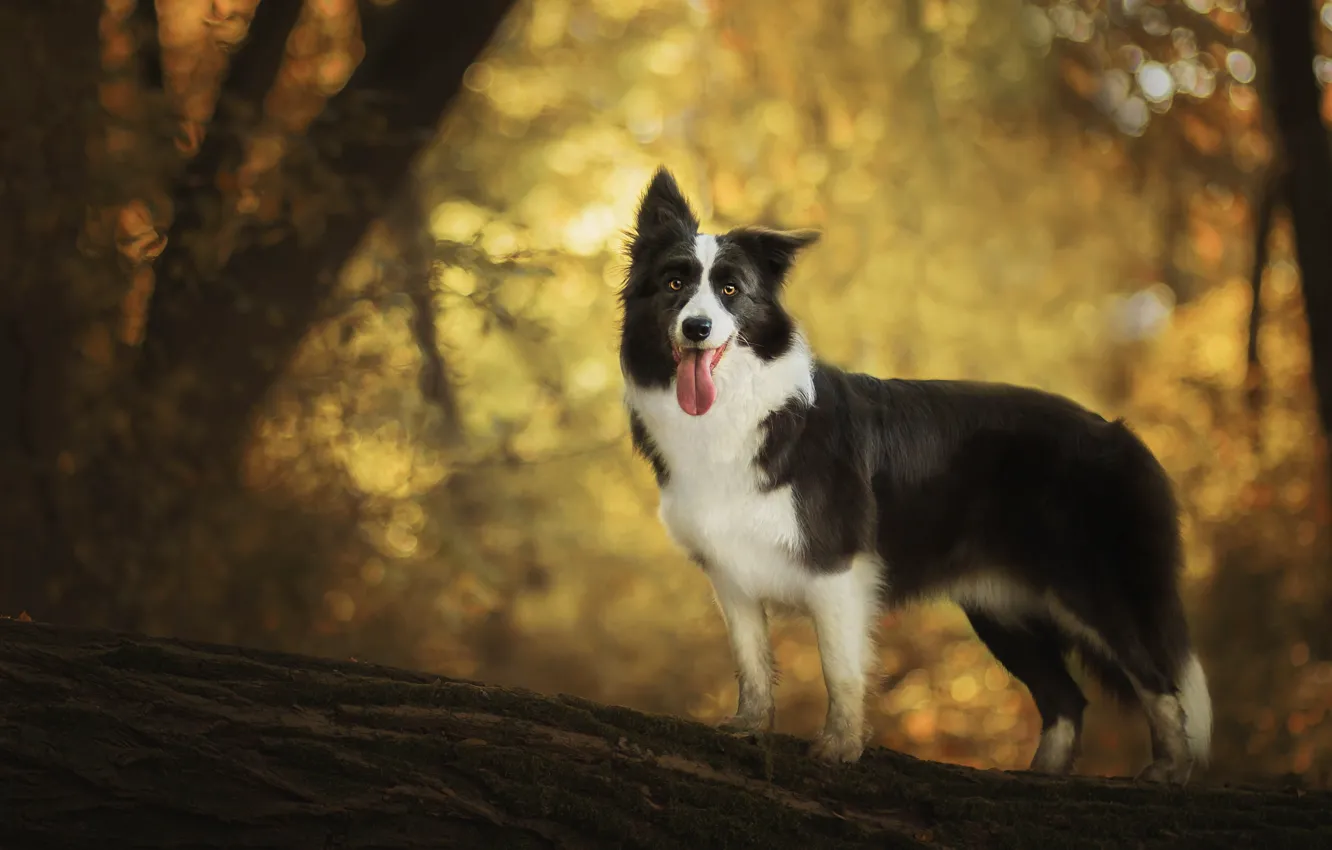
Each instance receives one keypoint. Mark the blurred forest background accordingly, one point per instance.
(308, 318)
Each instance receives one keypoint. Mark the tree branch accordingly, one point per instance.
(1287, 32)
(416, 247)
(1262, 230)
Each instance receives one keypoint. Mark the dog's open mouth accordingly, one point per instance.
(694, 389)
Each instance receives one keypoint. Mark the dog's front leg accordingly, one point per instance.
(844, 607)
(747, 629)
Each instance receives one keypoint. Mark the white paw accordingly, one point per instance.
(837, 748)
(1165, 770)
(1058, 749)
(743, 725)
(1053, 767)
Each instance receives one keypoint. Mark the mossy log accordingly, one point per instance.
(112, 740)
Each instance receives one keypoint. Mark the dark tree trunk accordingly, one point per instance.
(48, 111)
(110, 740)
(1264, 214)
(99, 475)
(265, 296)
(1286, 29)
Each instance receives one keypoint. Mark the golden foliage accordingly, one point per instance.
(322, 51)
(195, 36)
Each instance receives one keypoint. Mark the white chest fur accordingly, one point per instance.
(714, 503)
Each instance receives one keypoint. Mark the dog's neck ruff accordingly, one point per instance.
(716, 502)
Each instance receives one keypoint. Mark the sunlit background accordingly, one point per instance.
(1050, 193)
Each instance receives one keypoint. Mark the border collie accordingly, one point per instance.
(794, 483)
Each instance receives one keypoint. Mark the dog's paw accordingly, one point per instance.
(836, 748)
(743, 726)
(1166, 770)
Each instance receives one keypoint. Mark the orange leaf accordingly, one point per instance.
(136, 235)
(189, 138)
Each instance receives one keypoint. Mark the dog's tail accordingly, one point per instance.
(1164, 625)
(1196, 703)
(1151, 647)
(1190, 686)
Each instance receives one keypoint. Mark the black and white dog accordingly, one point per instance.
(792, 482)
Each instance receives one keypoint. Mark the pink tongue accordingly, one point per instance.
(693, 382)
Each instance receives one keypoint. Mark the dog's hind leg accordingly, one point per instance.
(1150, 644)
(1033, 650)
(1180, 717)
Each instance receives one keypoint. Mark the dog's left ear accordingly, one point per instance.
(773, 251)
(664, 208)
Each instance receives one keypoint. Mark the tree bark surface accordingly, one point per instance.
(116, 740)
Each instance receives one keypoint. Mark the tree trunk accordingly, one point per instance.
(113, 740)
(266, 295)
(1286, 29)
(49, 70)
(97, 476)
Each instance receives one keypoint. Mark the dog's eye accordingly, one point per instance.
(728, 290)
(674, 284)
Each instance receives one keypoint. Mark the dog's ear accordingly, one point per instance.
(664, 208)
(772, 251)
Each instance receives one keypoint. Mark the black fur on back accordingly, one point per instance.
(945, 478)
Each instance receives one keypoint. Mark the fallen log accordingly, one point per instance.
(112, 740)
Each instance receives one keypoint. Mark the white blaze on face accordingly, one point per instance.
(694, 387)
(704, 303)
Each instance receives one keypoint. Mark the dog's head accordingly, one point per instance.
(691, 297)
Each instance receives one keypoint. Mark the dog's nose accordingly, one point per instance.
(696, 328)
